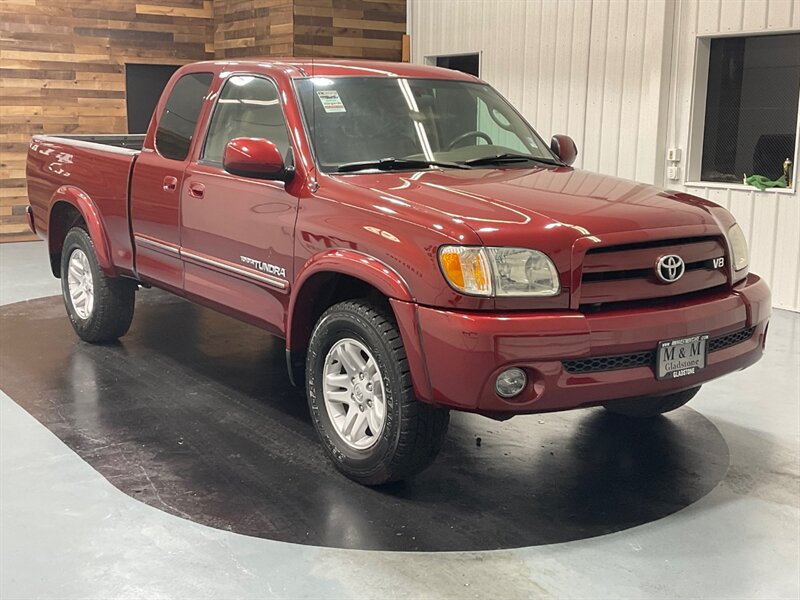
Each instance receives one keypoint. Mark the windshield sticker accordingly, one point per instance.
(331, 101)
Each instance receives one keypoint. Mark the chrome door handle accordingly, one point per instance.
(170, 183)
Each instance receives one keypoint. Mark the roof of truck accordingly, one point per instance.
(333, 67)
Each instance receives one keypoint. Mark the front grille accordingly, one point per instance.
(609, 363)
(612, 275)
(647, 358)
(726, 341)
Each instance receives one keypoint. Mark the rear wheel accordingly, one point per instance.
(99, 307)
(361, 398)
(652, 406)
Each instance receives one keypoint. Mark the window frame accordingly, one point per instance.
(198, 123)
(201, 160)
(697, 117)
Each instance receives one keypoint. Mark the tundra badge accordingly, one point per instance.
(263, 266)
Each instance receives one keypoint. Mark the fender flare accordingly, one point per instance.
(81, 201)
(354, 263)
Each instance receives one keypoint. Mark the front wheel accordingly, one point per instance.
(99, 307)
(652, 406)
(361, 398)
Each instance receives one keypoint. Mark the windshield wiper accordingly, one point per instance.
(508, 157)
(391, 164)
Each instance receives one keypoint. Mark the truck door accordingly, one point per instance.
(156, 185)
(237, 233)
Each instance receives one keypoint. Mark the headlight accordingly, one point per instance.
(738, 244)
(499, 271)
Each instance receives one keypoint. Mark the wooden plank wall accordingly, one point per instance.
(62, 62)
(326, 28)
(350, 28)
(62, 70)
(253, 28)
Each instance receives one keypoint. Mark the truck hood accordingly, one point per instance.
(509, 206)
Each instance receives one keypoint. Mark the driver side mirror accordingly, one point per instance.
(257, 158)
(564, 148)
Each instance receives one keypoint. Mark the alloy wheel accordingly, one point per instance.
(80, 284)
(354, 394)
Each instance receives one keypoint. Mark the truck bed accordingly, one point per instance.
(84, 169)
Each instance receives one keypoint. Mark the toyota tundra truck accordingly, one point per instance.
(413, 240)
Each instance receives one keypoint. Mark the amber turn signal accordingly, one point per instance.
(466, 269)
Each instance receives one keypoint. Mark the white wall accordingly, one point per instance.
(617, 76)
(771, 220)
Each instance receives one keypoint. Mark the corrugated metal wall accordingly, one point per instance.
(563, 64)
(617, 76)
(771, 220)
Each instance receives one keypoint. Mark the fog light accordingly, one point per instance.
(510, 382)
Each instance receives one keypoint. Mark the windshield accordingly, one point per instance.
(367, 120)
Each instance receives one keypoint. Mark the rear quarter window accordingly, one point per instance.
(179, 119)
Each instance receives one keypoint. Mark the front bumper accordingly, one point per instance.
(455, 357)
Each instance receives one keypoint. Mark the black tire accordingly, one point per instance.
(652, 406)
(114, 297)
(413, 431)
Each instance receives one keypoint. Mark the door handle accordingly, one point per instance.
(170, 183)
(197, 190)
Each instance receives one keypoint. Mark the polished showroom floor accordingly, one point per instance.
(179, 463)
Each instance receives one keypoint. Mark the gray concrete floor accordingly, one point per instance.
(66, 532)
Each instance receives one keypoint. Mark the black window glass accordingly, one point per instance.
(751, 107)
(247, 107)
(143, 87)
(177, 124)
(466, 63)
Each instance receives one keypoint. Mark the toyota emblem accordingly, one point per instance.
(670, 268)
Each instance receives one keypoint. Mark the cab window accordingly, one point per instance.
(248, 106)
(179, 119)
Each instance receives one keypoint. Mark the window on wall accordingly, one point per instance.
(143, 87)
(751, 107)
(466, 63)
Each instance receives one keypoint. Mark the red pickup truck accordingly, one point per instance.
(416, 243)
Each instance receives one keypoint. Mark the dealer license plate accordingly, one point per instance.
(681, 357)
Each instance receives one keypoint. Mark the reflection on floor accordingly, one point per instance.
(192, 413)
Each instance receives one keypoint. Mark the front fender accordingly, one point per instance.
(359, 265)
(372, 271)
(346, 262)
(81, 201)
